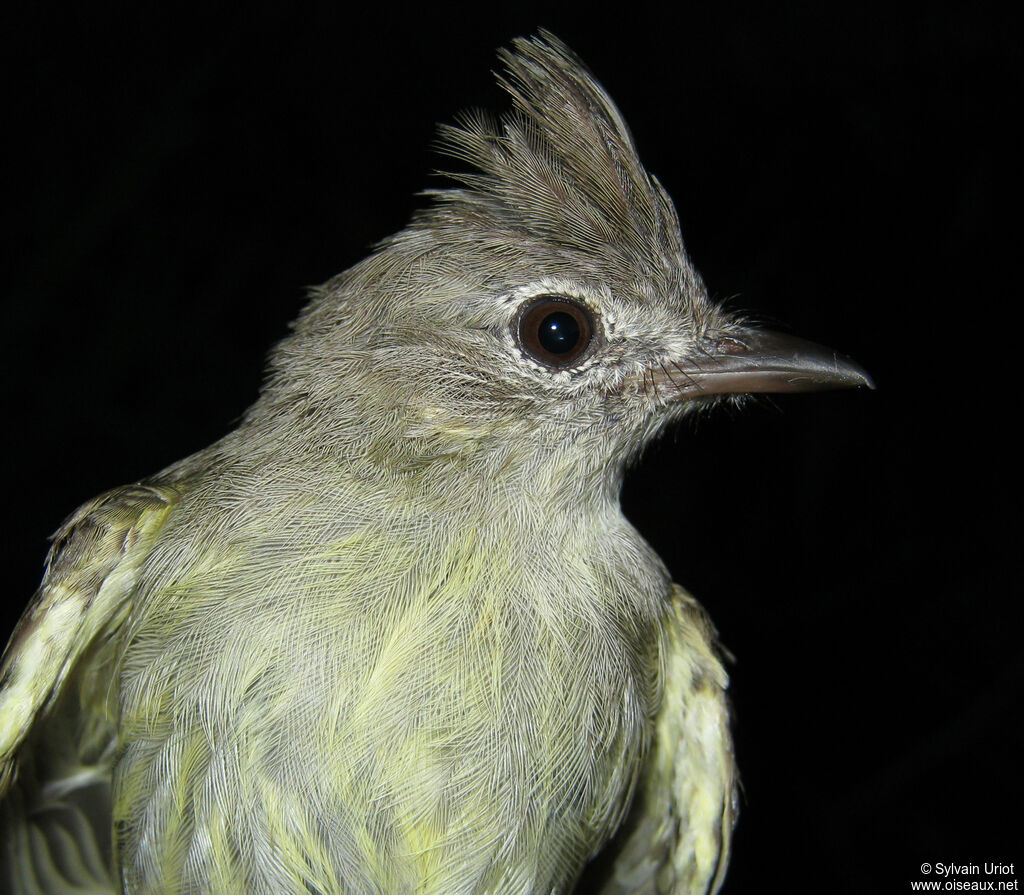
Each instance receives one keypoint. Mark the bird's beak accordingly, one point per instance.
(751, 360)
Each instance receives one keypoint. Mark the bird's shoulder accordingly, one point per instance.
(84, 595)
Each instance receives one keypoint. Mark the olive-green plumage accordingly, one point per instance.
(394, 634)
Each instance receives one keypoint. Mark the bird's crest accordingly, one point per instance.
(561, 165)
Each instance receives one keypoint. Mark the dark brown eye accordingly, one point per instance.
(555, 330)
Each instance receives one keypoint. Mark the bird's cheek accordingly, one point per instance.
(434, 431)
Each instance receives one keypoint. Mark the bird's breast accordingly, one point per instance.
(349, 712)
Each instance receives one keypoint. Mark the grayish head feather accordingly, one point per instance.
(561, 166)
(414, 346)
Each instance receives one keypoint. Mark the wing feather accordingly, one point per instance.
(89, 575)
(56, 737)
(676, 839)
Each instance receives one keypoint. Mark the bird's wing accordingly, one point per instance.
(676, 839)
(84, 596)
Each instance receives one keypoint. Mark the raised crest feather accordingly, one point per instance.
(561, 165)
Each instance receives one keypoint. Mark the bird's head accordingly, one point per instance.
(542, 309)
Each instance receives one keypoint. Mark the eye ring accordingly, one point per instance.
(555, 330)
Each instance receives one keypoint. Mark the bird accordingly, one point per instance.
(393, 633)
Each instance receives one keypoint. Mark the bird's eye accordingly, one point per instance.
(555, 330)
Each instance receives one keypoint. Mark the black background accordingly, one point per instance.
(178, 179)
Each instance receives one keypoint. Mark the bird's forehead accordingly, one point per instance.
(510, 274)
(594, 293)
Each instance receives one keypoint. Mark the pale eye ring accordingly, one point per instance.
(555, 330)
